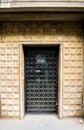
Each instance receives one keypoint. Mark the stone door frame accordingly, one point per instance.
(60, 75)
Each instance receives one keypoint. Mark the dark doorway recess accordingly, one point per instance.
(41, 79)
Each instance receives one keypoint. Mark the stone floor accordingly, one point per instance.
(42, 122)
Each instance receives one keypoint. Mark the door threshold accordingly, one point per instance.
(30, 114)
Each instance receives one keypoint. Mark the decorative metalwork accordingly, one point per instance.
(41, 80)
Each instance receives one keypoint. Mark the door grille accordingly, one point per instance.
(41, 79)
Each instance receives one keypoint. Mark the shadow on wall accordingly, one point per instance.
(83, 106)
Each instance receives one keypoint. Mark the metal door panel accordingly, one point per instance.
(41, 79)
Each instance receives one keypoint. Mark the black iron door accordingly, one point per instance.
(41, 79)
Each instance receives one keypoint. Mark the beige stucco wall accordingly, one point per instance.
(69, 34)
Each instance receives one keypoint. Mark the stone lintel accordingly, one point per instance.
(15, 6)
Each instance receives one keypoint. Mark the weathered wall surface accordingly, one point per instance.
(71, 37)
(72, 75)
(46, 0)
(41, 5)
